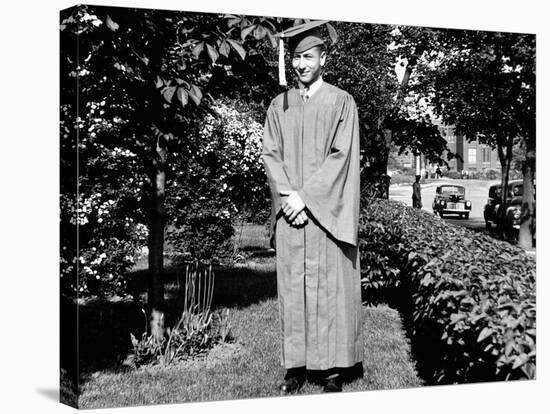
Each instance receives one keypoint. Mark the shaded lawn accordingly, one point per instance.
(105, 325)
(249, 367)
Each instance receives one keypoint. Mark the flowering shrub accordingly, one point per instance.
(471, 298)
(103, 220)
(236, 137)
(109, 245)
(219, 176)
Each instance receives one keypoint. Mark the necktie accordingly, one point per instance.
(305, 95)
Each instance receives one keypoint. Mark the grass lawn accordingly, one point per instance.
(250, 367)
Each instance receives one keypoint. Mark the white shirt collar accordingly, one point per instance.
(314, 87)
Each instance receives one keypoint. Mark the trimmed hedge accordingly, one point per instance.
(470, 298)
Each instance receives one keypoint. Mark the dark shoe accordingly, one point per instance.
(294, 379)
(291, 385)
(333, 384)
(351, 374)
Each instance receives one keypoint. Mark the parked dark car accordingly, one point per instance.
(451, 199)
(512, 210)
(491, 207)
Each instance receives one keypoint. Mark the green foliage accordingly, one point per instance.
(472, 298)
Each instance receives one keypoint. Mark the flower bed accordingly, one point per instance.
(470, 298)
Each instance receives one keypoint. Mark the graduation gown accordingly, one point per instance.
(313, 148)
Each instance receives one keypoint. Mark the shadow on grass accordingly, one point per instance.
(424, 354)
(234, 286)
(103, 327)
(427, 349)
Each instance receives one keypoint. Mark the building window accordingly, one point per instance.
(448, 133)
(486, 154)
(451, 139)
(472, 159)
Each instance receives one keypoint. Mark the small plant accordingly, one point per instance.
(146, 350)
(197, 330)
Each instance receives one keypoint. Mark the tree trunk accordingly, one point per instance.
(527, 231)
(157, 218)
(505, 157)
(374, 178)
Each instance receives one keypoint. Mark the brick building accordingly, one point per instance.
(476, 157)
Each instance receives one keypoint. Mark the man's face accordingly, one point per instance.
(308, 64)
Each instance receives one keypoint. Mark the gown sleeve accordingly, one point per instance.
(332, 193)
(275, 169)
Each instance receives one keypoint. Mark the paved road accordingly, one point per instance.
(476, 192)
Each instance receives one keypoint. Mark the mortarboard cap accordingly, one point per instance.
(300, 38)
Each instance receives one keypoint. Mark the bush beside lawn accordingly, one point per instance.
(470, 298)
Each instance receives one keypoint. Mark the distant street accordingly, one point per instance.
(476, 192)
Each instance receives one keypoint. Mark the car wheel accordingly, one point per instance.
(467, 216)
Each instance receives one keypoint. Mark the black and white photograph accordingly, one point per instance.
(277, 208)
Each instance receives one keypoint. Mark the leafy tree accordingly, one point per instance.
(410, 46)
(153, 71)
(363, 62)
(483, 83)
(101, 182)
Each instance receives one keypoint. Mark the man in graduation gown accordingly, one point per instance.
(311, 157)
